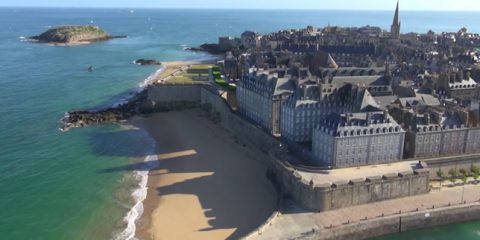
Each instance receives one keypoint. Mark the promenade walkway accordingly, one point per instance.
(294, 222)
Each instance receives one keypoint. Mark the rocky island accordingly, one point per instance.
(73, 35)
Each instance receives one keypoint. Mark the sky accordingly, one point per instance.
(434, 5)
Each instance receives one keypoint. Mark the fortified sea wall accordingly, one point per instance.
(312, 196)
(166, 97)
(350, 192)
(398, 223)
(245, 132)
(176, 97)
(327, 196)
(445, 164)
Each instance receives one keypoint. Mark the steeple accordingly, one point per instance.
(395, 29)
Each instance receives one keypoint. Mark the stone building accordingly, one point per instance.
(377, 80)
(456, 84)
(232, 66)
(260, 95)
(438, 131)
(250, 40)
(356, 139)
(227, 42)
(351, 71)
(312, 102)
(377, 85)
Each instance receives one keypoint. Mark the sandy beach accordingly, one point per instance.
(206, 186)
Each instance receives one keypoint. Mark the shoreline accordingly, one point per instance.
(139, 194)
(126, 105)
(135, 217)
(174, 209)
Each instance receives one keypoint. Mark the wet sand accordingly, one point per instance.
(206, 185)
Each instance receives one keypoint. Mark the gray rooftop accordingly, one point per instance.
(362, 123)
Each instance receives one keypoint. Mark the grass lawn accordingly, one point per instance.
(189, 78)
(201, 66)
(181, 79)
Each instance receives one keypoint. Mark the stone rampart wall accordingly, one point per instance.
(350, 192)
(398, 223)
(445, 164)
(312, 197)
(168, 97)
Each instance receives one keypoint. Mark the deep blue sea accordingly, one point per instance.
(53, 184)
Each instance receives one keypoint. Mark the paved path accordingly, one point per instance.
(294, 222)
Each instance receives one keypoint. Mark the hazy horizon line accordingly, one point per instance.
(248, 9)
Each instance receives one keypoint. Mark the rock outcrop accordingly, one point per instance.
(211, 48)
(147, 62)
(76, 119)
(72, 35)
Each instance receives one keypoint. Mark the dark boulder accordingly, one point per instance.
(144, 62)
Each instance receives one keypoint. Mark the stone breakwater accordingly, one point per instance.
(83, 118)
(150, 100)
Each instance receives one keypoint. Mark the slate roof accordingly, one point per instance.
(376, 80)
(359, 123)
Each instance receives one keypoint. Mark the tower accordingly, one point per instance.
(395, 29)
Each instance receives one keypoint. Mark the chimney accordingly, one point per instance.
(467, 119)
(368, 118)
(427, 118)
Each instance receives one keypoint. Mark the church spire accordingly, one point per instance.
(396, 17)
(395, 29)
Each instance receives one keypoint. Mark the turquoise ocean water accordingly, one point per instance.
(53, 184)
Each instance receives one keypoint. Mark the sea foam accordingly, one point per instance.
(151, 78)
(141, 176)
(138, 195)
(141, 86)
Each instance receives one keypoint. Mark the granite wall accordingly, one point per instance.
(398, 223)
(318, 197)
(350, 192)
(245, 132)
(169, 97)
(445, 164)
